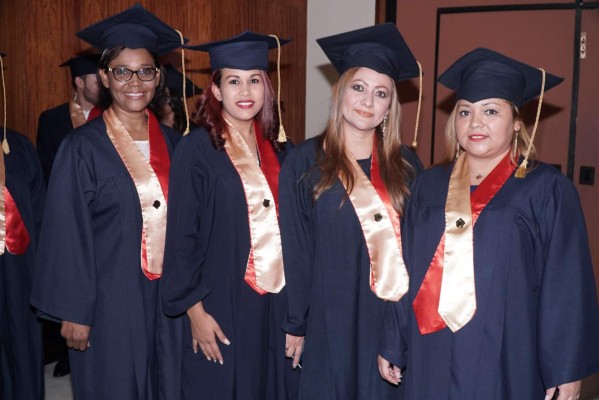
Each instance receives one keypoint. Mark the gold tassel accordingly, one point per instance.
(5, 147)
(521, 171)
(415, 141)
(186, 131)
(282, 136)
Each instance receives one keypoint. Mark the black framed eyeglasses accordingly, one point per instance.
(123, 74)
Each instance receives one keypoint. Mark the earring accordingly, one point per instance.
(384, 125)
(457, 150)
(515, 144)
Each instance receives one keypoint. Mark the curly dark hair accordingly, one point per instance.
(209, 114)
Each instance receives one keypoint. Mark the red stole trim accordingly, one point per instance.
(17, 237)
(269, 163)
(426, 303)
(95, 112)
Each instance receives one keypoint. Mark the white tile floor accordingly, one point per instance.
(57, 388)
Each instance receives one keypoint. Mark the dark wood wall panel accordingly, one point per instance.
(39, 35)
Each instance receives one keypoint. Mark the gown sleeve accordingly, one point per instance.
(568, 333)
(65, 281)
(297, 240)
(181, 283)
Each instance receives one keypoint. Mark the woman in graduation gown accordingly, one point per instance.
(21, 208)
(223, 264)
(342, 195)
(102, 241)
(502, 301)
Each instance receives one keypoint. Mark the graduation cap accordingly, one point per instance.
(134, 28)
(174, 82)
(245, 51)
(486, 74)
(82, 65)
(379, 47)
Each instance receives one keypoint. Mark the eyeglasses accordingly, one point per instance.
(123, 74)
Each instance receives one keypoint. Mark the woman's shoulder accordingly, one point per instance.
(303, 155)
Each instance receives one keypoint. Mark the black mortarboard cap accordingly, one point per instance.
(82, 65)
(134, 28)
(379, 47)
(485, 74)
(245, 51)
(174, 82)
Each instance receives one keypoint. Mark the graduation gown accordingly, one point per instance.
(21, 365)
(90, 254)
(52, 127)
(207, 248)
(536, 324)
(327, 270)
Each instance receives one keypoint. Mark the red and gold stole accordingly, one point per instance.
(13, 232)
(264, 270)
(77, 115)
(447, 296)
(151, 181)
(381, 227)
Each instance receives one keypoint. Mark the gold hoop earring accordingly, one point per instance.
(457, 150)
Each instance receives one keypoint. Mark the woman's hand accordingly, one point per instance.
(294, 346)
(389, 372)
(567, 391)
(76, 335)
(204, 331)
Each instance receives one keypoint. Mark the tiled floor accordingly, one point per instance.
(57, 388)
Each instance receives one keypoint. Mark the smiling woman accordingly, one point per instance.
(223, 265)
(498, 256)
(102, 240)
(342, 196)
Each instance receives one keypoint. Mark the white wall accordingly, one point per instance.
(328, 17)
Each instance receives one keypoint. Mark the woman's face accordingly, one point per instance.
(134, 95)
(241, 93)
(366, 100)
(485, 129)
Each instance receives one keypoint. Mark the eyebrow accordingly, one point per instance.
(366, 84)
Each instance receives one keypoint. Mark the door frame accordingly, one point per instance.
(578, 6)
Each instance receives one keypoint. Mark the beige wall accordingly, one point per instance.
(328, 17)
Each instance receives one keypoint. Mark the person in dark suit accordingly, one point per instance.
(55, 123)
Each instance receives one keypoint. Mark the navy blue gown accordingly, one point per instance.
(21, 365)
(89, 253)
(327, 269)
(536, 325)
(206, 254)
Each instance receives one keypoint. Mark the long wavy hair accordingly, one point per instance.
(209, 114)
(452, 148)
(110, 54)
(333, 162)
